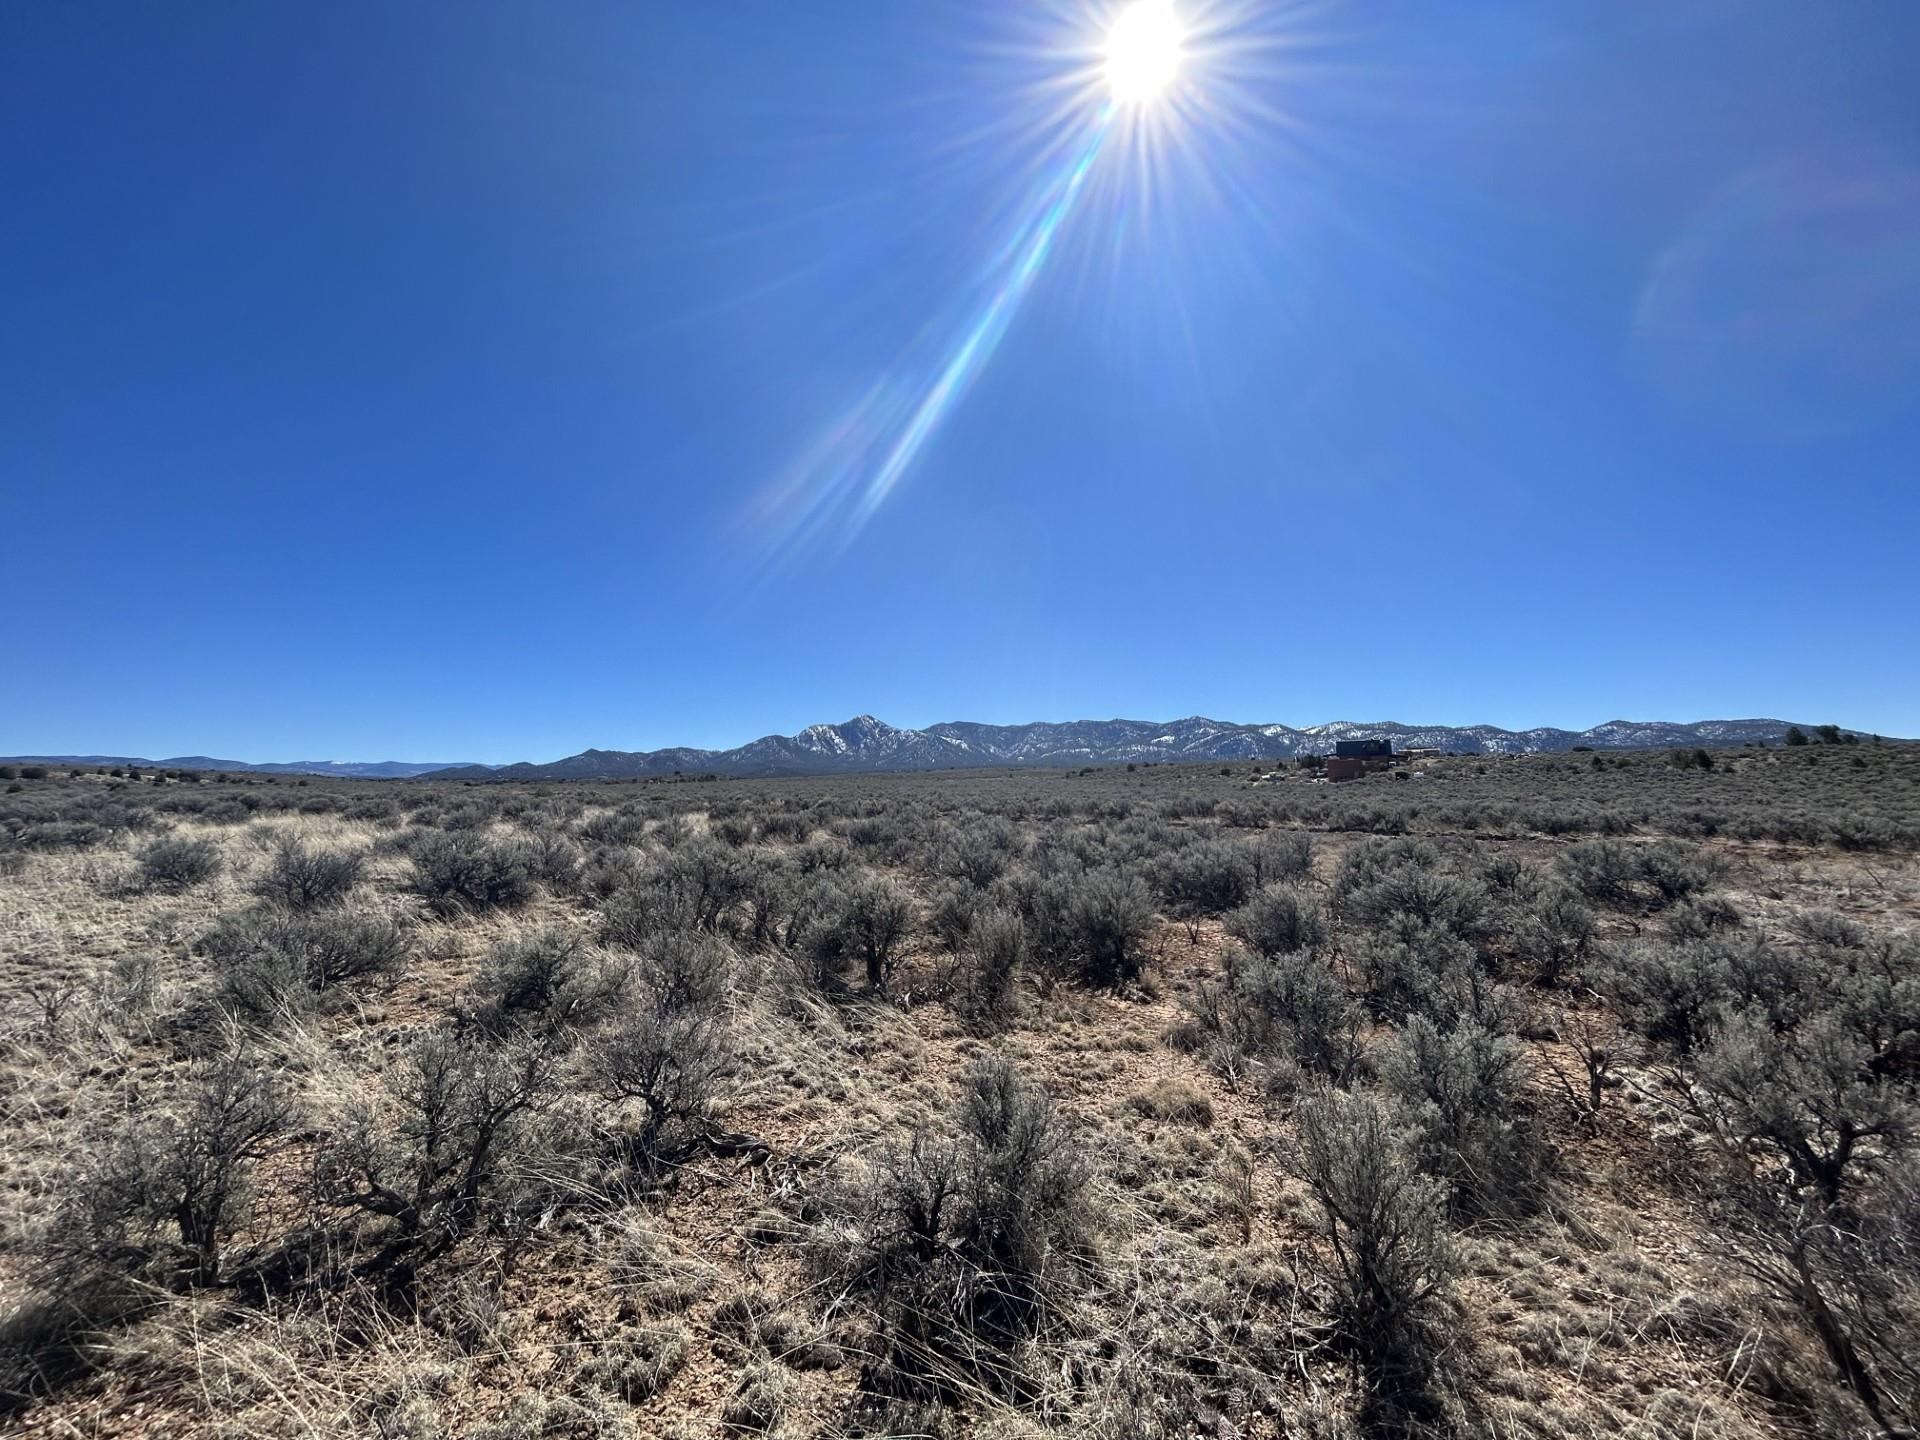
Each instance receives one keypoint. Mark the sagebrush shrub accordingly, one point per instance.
(301, 880)
(162, 1198)
(1463, 1088)
(1430, 897)
(432, 1160)
(1645, 877)
(1388, 1257)
(1307, 1008)
(1280, 855)
(978, 855)
(463, 870)
(1551, 932)
(785, 826)
(1279, 920)
(865, 920)
(999, 941)
(556, 861)
(966, 1248)
(1405, 966)
(551, 977)
(1701, 916)
(267, 963)
(173, 863)
(1108, 916)
(1208, 878)
(667, 1047)
(950, 918)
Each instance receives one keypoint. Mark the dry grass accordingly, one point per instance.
(699, 1303)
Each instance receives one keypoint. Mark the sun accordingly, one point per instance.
(1144, 51)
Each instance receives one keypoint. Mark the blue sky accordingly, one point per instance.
(448, 382)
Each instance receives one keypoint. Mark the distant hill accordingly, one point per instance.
(339, 769)
(866, 745)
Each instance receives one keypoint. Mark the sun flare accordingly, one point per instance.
(1144, 51)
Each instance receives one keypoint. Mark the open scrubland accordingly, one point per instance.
(1541, 1096)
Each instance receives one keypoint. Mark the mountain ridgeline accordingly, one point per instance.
(335, 769)
(864, 745)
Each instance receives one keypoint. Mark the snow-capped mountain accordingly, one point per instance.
(864, 744)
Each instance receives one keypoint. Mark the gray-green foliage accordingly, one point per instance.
(966, 1248)
(1811, 1095)
(1627, 876)
(1209, 877)
(1550, 933)
(1108, 915)
(999, 953)
(1280, 855)
(1288, 1008)
(668, 1048)
(1463, 1089)
(169, 1185)
(551, 978)
(1279, 919)
(863, 920)
(459, 870)
(1388, 1257)
(1816, 1056)
(443, 1152)
(175, 863)
(302, 880)
(268, 963)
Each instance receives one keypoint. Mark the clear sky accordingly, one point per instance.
(488, 381)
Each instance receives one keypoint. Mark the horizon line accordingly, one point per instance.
(69, 757)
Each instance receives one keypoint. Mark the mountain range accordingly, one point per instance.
(866, 745)
(340, 769)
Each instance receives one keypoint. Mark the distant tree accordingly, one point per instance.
(1797, 736)
(1829, 734)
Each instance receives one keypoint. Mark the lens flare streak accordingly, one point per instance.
(867, 453)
